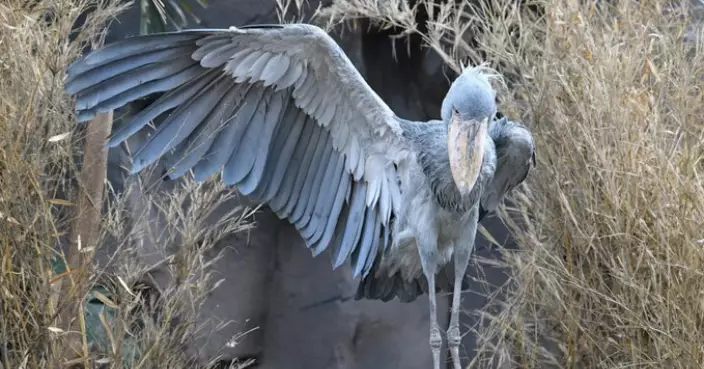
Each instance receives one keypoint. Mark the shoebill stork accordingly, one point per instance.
(282, 113)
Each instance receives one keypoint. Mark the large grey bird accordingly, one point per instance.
(286, 118)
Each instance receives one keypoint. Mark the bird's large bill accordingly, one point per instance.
(466, 141)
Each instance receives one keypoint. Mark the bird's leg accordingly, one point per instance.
(427, 246)
(462, 254)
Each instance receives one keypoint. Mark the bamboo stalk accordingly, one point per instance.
(85, 233)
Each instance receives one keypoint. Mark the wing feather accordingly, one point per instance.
(82, 81)
(93, 95)
(262, 143)
(294, 73)
(274, 153)
(242, 69)
(342, 193)
(317, 182)
(326, 201)
(198, 144)
(243, 154)
(280, 110)
(355, 221)
(209, 45)
(145, 89)
(179, 125)
(165, 103)
(274, 185)
(229, 138)
(284, 197)
(515, 156)
(376, 238)
(309, 184)
(130, 47)
(323, 199)
(222, 54)
(310, 147)
(361, 253)
(258, 66)
(274, 69)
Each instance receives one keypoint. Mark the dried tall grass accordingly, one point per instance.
(40, 155)
(610, 267)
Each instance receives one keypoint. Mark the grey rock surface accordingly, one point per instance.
(303, 310)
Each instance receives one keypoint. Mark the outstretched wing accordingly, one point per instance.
(280, 109)
(515, 154)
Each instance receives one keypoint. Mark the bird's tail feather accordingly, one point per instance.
(386, 288)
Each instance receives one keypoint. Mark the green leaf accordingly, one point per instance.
(96, 334)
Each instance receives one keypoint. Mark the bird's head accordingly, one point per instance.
(467, 109)
(472, 95)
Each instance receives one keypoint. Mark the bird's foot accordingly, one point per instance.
(453, 342)
(435, 345)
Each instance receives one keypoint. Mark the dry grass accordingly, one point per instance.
(611, 265)
(134, 327)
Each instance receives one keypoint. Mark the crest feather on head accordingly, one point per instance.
(483, 71)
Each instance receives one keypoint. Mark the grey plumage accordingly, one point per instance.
(515, 152)
(286, 117)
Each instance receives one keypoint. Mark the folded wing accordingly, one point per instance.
(515, 154)
(279, 109)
